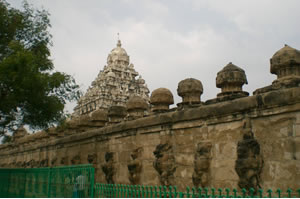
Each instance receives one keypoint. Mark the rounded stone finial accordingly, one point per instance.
(231, 79)
(161, 98)
(286, 62)
(116, 114)
(190, 90)
(136, 106)
(99, 117)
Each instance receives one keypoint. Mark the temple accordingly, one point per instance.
(235, 140)
(114, 84)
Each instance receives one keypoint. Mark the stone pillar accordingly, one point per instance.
(136, 107)
(161, 98)
(190, 90)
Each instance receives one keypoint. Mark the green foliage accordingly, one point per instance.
(31, 92)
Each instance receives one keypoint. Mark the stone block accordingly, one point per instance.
(184, 159)
(184, 171)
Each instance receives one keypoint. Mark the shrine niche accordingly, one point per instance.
(201, 175)
(164, 163)
(135, 166)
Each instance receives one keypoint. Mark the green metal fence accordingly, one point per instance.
(67, 181)
(78, 181)
(140, 191)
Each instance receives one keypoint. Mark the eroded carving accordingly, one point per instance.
(92, 158)
(135, 166)
(249, 162)
(165, 163)
(44, 163)
(64, 160)
(108, 167)
(53, 161)
(76, 160)
(201, 175)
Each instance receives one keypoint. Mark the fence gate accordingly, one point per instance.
(62, 182)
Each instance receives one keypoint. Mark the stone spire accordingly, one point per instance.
(114, 84)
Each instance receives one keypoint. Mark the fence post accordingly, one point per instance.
(92, 181)
(24, 189)
(49, 181)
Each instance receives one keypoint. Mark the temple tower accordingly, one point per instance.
(114, 84)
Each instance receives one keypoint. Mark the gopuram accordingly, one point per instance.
(113, 85)
(234, 140)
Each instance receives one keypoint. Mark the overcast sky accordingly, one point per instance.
(170, 40)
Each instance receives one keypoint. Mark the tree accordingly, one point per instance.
(31, 92)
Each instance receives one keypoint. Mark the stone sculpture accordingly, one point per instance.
(135, 166)
(92, 158)
(249, 162)
(201, 175)
(108, 167)
(164, 163)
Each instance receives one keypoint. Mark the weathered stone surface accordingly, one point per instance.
(135, 166)
(190, 90)
(136, 107)
(108, 167)
(165, 163)
(161, 98)
(201, 175)
(249, 162)
(285, 63)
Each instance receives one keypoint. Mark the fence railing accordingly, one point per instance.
(140, 191)
(66, 181)
(78, 181)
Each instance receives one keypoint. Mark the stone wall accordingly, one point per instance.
(197, 144)
(232, 141)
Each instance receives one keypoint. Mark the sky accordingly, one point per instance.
(171, 40)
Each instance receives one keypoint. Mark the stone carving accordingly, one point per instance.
(108, 168)
(249, 161)
(64, 160)
(201, 175)
(76, 160)
(135, 166)
(113, 85)
(53, 161)
(285, 63)
(165, 163)
(136, 107)
(190, 90)
(116, 114)
(92, 158)
(44, 163)
(161, 99)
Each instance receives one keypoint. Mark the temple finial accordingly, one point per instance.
(119, 41)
